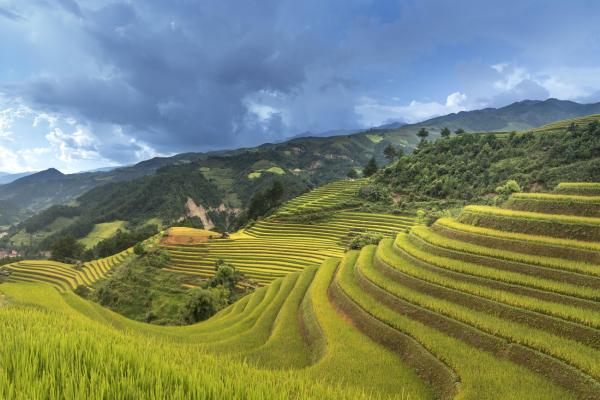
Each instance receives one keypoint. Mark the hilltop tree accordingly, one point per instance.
(265, 200)
(66, 249)
(352, 174)
(371, 167)
(423, 133)
(390, 152)
(445, 132)
(459, 131)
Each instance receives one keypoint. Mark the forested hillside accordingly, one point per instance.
(469, 166)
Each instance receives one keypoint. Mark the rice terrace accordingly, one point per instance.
(166, 232)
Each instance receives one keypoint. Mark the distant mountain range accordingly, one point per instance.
(7, 177)
(312, 160)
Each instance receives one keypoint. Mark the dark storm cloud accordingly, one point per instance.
(180, 75)
(188, 75)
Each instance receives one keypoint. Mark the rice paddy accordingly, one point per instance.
(276, 246)
(496, 304)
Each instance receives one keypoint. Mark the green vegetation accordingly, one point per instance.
(375, 138)
(301, 233)
(505, 308)
(371, 168)
(64, 276)
(141, 290)
(471, 166)
(101, 232)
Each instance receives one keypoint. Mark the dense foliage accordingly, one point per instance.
(142, 291)
(67, 249)
(470, 166)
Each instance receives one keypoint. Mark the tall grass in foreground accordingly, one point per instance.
(49, 351)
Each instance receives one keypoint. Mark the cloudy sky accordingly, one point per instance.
(92, 83)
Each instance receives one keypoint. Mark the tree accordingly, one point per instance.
(139, 249)
(390, 152)
(352, 174)
(370, 168)
(225, 275)
(202, 304)
(459, 131)
(423, 133)
(445, 132)
(265, 200)
(66, 249)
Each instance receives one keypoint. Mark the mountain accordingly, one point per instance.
(312, 160)
(40, 190)
(517, 116)
(7, 177)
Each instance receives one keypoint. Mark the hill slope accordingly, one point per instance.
(470, 166)
(323, 159)
(498, 303)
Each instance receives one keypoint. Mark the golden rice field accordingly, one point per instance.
(496, 304)
(274, 247)
(63, 276)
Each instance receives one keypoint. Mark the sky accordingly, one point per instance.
(96, 83)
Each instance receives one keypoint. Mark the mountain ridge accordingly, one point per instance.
(523, 115)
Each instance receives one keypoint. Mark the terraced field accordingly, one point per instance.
(327, 196)
(275, 247)
(63, 276)
(496, 304)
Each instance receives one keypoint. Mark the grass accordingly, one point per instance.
(366, 359)
(254, 175)
(64, 276)
(497, 304)
(555, 203)
(562, 226)
(515, 278)
(457, 245)
(515, 236)
(95, 361)
(375, 138)
(272, 170)
(276, 246)
(482, 377)
(386, 253)
(100, 232)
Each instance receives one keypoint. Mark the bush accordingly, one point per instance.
(225, 275)
(363, 239)
(139, 249)
(157, 258)
(374, 193)
(511, 186)
(203, 303)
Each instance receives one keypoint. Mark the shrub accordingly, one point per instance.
(139, 249)
(374, 193)
(202, 304)
(363, 239)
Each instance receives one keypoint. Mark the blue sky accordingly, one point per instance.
(87, 84)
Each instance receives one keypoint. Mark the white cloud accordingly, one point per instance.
(81, 144)
(567, 83)
(499, 67)
(49, 119)
(373, 113)
(455, 99)
(512, 77)
(9, 115)
(9, 161)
